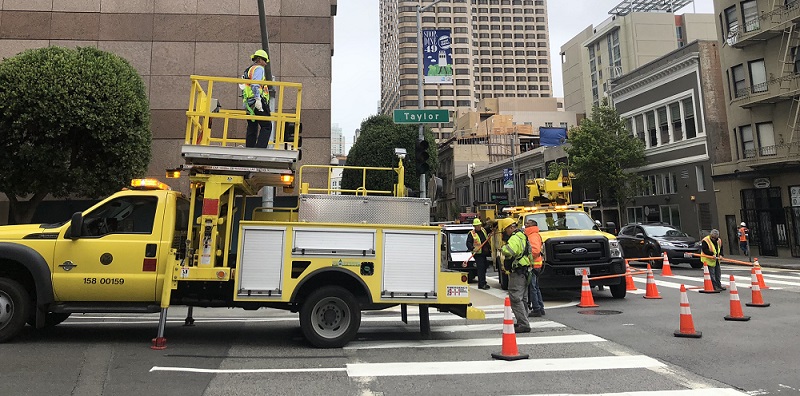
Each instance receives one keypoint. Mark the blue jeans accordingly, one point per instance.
(535, 295)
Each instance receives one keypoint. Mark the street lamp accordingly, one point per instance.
(420, 98)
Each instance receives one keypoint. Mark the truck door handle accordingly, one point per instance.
(67, 265)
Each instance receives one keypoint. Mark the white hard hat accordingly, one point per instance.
(743, 224)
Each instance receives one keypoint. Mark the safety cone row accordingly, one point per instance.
(629, 285)
(757, 299)
(687, 324)
(759, 275)
(587, 300)
(666, 270)
(509, 349)
(651, 291)
(736, 305)
(708, 287)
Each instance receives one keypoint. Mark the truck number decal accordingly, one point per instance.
(457, 291)
(103, 281)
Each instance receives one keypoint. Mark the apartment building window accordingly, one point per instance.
(748, 144)
(739, 81)
(766, 139)
(688, 116)
(652, 132)
(663, 123)
(796, 59)
(701, 177)
(758, 76)
(731, 21)
(675, 119)
(638, 122)
(562, 124)
(548, 124)
(750, 15)
(447, 103)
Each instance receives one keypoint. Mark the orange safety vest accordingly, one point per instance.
(476, 242)
(743, 234)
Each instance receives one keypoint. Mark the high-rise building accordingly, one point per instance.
(500, 49)
(636, 33)
(337, 140)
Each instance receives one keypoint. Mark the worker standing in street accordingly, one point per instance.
(744, 239)
(535, 295)
(256, 101)
(476, 242)
(712, 251)
(517, 262)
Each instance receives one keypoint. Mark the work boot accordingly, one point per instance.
(521, 329)
(541, 311)
(534, 314)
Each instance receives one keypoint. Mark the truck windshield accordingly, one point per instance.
(551, 221)
(458, 241)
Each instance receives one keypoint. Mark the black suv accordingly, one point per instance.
(651, 239)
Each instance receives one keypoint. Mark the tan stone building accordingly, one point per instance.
(760, 185)
(166, 41)
(500, 49)
(630, 38)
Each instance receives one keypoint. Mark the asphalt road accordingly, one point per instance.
(235, 352)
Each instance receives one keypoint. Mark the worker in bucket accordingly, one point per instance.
(256, 101)
(518, 263)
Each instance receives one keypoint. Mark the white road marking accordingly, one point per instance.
(500, 366)
(474, 342)
(454, 328)
(243, 371)
(682, 392)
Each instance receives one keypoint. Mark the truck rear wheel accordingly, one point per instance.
(618, 291)
(15, 306)
(330, 317)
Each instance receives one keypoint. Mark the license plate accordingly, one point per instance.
(687, 255)
(457, 291)
(579, 271)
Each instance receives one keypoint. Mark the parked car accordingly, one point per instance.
(651, 239)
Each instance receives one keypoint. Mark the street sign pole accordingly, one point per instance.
(420, 98)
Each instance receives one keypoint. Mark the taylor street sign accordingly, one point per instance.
(421, 116)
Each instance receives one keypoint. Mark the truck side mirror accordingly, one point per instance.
(75, 226)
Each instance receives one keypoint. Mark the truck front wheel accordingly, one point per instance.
(15, 306)
(618, 291)
(330, 317)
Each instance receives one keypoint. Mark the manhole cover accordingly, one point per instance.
(600, 312)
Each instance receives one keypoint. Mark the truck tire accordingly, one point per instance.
(15, 307)
(50, 320)
(330, 317)
(697, 265)
(619, 290)
(656, 264)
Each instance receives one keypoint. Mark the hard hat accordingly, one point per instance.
(502, 224)
(261, 54)
(477, 221)
(743, 224)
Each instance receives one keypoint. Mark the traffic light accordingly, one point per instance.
(422, 156)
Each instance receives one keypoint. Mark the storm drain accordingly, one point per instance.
(600, 312)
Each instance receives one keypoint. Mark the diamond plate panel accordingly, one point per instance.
(368, 210)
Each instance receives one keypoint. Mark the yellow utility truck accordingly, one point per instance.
(147, 247)
(573, 242)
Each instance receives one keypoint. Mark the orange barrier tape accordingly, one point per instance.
(725, 260)
(644, 259)
(617, 275)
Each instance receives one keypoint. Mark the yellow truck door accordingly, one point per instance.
(115, 258)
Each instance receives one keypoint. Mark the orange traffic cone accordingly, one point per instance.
(629, 285)
(757, 300)
(708, 287)
(759, 275)
(736, 305)
(651, 291)
(687, 324)
(509, 351)
(665, 268)
(587, 300)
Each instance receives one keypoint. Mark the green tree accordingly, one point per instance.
(600, 151)
(375, 147)
(73, 122)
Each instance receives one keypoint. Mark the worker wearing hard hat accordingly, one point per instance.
(517, 263)
(256, 101)
(476, 242)
(744, 239)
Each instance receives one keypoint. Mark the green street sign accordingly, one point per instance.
(421, 116)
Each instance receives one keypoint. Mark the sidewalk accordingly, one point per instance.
(773, 262)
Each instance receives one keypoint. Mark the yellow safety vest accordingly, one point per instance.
(476, 242)
(713, 247)
(247, 92)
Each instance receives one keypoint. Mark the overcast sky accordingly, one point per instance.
(356, 87)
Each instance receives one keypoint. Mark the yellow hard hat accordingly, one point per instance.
(477, 221)
(261, 54)
(502, 224)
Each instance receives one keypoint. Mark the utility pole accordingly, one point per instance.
(420, 95)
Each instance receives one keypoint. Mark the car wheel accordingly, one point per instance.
(330, 317)
(696, 265)
(15, 307)
(654, 263)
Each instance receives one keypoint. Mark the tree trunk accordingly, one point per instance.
(21, 212)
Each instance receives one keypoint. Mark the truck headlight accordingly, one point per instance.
(613, 246)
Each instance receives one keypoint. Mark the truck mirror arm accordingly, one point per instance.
(75, 226)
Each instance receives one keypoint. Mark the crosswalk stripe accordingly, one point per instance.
(474, 342)
(456, 328)
(500, 366)
(681, 392)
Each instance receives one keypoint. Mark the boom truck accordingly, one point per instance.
(147, 247)
(572, 241)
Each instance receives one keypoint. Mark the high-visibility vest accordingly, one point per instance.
(742, 234)
(711, 262)
(515, 247)
(247, 92)
(476, 242)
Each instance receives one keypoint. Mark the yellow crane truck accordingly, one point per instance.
(572, 241)
(147, 247)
